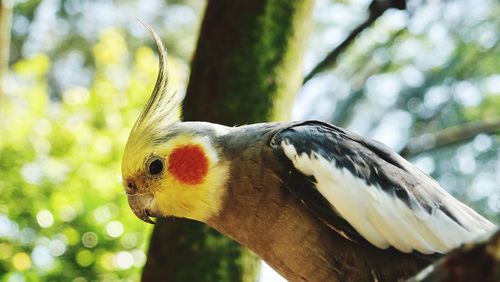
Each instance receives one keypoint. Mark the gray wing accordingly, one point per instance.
(378, 194)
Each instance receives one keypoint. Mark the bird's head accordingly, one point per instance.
(171, 168)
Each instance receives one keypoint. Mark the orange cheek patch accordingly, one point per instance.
(188, 164)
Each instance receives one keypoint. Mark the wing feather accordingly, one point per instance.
(385, 199)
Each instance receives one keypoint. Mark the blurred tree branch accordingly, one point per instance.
(5, 25)
(344, 110)
(475, 261)
(376, 9)
(449, 136)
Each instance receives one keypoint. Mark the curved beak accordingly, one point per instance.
(140, 204)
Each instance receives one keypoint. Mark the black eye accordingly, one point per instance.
(155, 167)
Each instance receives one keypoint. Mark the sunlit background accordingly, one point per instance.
(80, 72)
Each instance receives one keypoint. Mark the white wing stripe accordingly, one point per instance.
(383, 219)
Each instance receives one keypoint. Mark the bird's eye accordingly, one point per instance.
(155, 166)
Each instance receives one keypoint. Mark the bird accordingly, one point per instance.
(315, 201)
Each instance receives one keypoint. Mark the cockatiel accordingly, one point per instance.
(316, 201)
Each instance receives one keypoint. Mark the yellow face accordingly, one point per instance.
(183, 177)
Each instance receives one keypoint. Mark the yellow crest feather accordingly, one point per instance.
(162, 110)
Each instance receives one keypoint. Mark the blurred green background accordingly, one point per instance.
(80, 72)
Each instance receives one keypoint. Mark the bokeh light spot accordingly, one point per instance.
(102, 214)
(139, 258)
(114, 229)
(57, 247)
(84, 258)
(89, 239)
(67, 213)
(21, 261)
(72, 235)
(106, 261)
(45, 218)
(129, 240)
(123, 260)
(8, 228)
(16, 277)
(42, 258)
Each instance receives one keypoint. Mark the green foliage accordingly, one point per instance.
(63, 214)
(490, 107)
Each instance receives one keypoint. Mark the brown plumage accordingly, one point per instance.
(261, 214)
(317, 202)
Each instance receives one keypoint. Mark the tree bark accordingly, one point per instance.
(247, 68)
(475, 261)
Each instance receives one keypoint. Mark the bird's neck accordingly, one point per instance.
(262, 215)
(271, 224)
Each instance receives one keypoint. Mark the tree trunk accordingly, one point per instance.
(247, 68)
